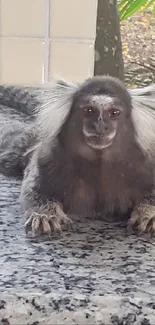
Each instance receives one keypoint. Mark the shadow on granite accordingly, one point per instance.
(94, 275)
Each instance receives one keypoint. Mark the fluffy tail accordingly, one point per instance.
(18, 106)
(22, 99)
(25, 114)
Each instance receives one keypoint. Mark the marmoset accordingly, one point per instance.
(87, 150)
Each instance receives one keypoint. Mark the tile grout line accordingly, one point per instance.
(93, 63)
(0, 37)
(51, 39)
(45, 70)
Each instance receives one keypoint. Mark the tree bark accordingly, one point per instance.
(108, 46)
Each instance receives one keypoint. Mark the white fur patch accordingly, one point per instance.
(101, 100)
(143, 115)
(56, 104)
(100, 146)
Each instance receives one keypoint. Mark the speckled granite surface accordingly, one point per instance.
(95, 275)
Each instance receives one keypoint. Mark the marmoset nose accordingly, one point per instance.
(101, 127)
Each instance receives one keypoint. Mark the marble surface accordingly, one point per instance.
(96, 274)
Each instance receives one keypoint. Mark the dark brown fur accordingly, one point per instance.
(114, 186)
(112, 181)
(84, 173)
(80, 160)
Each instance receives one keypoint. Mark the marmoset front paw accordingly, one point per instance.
(41, 224)
(143, 219)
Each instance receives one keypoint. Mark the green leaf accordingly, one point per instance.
(128, 7)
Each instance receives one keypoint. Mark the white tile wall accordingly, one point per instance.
(75, 62)
(39, 38)
(73, 18)
(21, 60)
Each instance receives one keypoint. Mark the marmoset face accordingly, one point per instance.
(101, 115)
(101, 109)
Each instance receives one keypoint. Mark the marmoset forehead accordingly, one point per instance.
(104, 89)
(99, 101)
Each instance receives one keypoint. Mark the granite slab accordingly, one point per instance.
(96, 274)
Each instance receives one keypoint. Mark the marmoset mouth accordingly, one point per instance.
(101, 136)
(97, 142)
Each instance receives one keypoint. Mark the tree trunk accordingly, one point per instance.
(108, 46)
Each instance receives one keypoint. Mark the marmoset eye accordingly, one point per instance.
(88, 111)
(113, 113)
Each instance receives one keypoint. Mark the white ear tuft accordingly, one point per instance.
(56, 102)
(143, 115)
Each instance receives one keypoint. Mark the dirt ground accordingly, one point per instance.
(138, 41)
